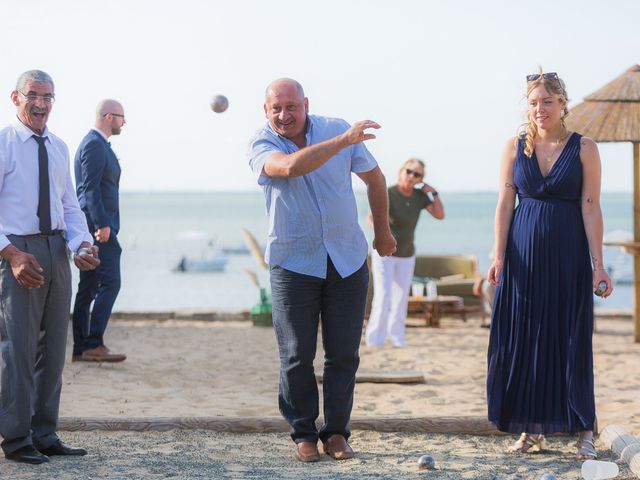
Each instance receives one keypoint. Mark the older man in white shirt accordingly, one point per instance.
(39, 219)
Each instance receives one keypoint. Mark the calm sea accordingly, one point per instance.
(159, 228)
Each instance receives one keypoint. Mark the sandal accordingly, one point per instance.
(586, 449)
(528, 444)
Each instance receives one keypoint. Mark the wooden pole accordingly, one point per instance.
(636, 238)
(472, 425)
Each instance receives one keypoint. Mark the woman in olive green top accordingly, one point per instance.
(392, 275)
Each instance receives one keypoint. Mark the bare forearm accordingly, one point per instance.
(379, 204)
(593, 227)
(383, 240)
(501, 230)
(306, 159)
(437, 210)
(312, 157)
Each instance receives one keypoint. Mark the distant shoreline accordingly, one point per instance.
(356, 190)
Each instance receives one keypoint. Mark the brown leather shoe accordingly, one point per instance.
(99, 354)
(337, 447)
(307, 452)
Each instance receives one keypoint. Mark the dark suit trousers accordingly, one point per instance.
(298, 303)
(100, 286)
(33, 338)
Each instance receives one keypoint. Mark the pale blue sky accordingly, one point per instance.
(445, 78)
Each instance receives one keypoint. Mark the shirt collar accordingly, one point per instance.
(310, 123)
(25, 133)
(101, 134)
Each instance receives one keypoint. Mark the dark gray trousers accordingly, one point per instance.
(299, 301)
(33, 335)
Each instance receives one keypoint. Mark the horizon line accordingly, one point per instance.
(245, 191)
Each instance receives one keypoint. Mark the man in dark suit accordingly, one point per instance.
(97, 181)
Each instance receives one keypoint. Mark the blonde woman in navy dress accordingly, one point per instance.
(547, 263)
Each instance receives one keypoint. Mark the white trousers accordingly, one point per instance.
(392, 278)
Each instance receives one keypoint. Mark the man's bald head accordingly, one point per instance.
(108, 106)
(280, 83)
(110, 117)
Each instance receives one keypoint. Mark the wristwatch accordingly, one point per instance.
(434, 194)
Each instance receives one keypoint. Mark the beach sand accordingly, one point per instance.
(206, 369)
(210, 455)
(195, 368)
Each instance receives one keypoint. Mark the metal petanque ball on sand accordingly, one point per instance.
(426, 462)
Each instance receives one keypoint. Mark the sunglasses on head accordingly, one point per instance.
(411, 172)
(547, 76)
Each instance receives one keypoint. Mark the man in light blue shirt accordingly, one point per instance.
(317, 256)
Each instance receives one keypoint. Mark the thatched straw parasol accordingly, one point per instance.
(612, 114)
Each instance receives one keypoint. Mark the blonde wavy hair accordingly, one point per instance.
(413, 160)
(554, 86)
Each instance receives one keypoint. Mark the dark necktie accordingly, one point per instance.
(44, 205)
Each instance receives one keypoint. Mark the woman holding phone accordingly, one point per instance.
(392, 275)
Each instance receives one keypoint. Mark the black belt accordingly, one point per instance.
(51, 233)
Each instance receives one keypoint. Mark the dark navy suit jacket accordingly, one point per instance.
(97, 182)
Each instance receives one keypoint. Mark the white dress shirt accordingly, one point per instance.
(19, 187)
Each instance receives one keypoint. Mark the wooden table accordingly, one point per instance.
(433, 308)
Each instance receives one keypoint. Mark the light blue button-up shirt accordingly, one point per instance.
(315, 214)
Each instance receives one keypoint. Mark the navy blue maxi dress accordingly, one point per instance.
(540, 360)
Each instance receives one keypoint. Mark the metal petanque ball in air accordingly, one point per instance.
(219, 103)
(426, 462)
(548, 476)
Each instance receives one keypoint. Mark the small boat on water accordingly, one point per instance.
(213, 263)
(235, 249)
(212, 258)
(238, 248)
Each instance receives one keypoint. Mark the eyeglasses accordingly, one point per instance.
(33, 98)
(114, 115)
(414, 174)
(547, 76)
